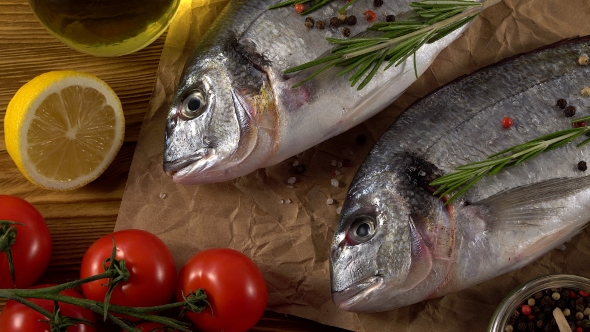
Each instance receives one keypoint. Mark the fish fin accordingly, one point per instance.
(516, 207)
(421, 259)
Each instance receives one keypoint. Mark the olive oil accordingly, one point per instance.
(105, 27)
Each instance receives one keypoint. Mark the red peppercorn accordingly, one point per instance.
(579, 329)
(526, 309)
(572, 294)
(299, 8)
(531, 317)
(583, 293)
(370, 15)
(507, 122)
(579, 124)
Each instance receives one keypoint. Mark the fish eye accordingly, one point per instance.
(193, 104)
(362, 229)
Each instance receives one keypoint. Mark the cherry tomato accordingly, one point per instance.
(17, 317)
(150, 263)
(32, 250)
(234, 286)
(154, 327)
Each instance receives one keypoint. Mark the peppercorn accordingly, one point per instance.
(566, 312)
(300, 169)
(346, 32)
(342, 17)
(545, 300)
(579, 124)
(536, 310)
(569, 111)
(580, 308)
(538, 296)
(351, 20)
(361, 139)
(540, 323)
(525, 309)
(377, 3)
(583, 60)
(309, 22)
(579, 315)
(582, 166)
(556, 296)
(320, 24)
(561, 304)
(509, 328)
(521, 326)
(334, 22)
(390, 18)
(561, 103)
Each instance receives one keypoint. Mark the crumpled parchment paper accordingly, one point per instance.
(287, 228)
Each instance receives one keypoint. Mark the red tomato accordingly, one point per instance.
(234, 285)
(17, 317)
(154, 327)
(32, 250)
(149, 261)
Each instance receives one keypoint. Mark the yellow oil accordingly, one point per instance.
(105, 27)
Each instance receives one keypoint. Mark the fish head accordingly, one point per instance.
(222, 121)
(382, 256)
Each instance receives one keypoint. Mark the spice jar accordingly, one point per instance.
(520, 295)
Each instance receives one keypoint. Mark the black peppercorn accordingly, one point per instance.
(572, 325)
(582, 166)
(361, 139)
(334, 22)
(320, 24)
(309, 22)
(569, 111)
(300, 169)
(351, 20)
(521, 326)
(561, 103)
(346, 32)
(561, 304)
(390, 18)
(377, 3)
(540, 323)
(538, 296)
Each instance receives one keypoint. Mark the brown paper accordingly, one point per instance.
(287, 229)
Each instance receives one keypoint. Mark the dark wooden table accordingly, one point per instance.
(77, 218)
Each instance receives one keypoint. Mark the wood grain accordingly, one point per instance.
(77, 218)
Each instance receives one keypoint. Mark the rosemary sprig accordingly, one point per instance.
(467, 175)
(317, 5)
(399, 40)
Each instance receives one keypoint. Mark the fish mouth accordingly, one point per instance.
(348, 298)
(194, 163)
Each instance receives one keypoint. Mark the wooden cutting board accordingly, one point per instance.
(77, 218)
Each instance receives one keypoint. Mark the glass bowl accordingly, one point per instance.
(526, 290)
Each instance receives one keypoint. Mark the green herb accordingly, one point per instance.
(467, 175)
(434, 20)
(315, 6)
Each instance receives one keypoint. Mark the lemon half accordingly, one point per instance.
(63, 129)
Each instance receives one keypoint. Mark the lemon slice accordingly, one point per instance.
(63, 129)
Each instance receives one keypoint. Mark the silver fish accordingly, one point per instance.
(235, 110)
(396, 244)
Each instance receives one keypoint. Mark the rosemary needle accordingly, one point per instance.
(363, 56)
(466, 176)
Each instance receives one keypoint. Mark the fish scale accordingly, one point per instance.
(503, 222)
